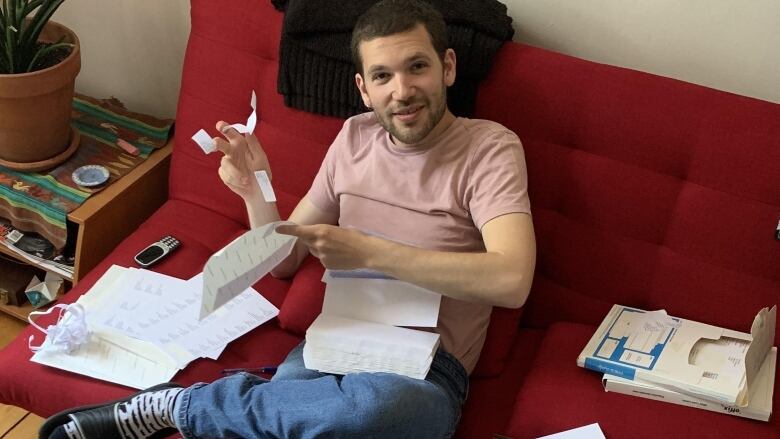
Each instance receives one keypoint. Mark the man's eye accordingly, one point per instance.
(419, 66)
(380, 76)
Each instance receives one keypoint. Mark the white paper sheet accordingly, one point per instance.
(165, 311)
(242, 263)
(114, 357)
(387, 301)
(145, 327)
(245, 312)
(592, 431)
(645, 330)
(143, 299)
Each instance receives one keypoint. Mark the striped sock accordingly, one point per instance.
(146, 413)
(141, 417)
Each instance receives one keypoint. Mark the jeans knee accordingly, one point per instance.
(404, 408)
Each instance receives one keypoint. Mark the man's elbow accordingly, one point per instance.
(516, 290)
(517, 297)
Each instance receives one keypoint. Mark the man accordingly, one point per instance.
(409, 190)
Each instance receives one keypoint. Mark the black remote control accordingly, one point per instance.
(150, 255)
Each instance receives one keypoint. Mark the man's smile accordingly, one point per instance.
(408, 114)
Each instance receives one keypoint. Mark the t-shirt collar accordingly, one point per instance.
(422, 147)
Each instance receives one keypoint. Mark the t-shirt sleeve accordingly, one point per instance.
(498, 184)
(322, 192)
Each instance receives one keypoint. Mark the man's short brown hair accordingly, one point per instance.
(389, 17)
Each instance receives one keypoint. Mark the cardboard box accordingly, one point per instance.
(759, 397)
(697, 359)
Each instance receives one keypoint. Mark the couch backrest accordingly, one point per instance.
(232, 50)
(646, 191)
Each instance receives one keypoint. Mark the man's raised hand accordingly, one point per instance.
(243, 155)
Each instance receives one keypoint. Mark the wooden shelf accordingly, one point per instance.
(108, 217)
(19, 258)
(20, 312)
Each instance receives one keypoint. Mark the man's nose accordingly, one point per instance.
(404, 87)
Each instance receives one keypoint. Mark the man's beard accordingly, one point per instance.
(415, 136)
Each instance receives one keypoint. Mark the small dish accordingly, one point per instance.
(90, 175)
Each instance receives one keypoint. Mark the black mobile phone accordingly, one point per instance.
(150, 255)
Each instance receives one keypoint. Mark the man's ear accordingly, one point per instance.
(362, 88)
(449, 62)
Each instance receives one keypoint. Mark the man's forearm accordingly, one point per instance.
(261, 212)
(490, 278)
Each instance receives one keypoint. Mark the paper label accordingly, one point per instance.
(265, 186)
(242, 263)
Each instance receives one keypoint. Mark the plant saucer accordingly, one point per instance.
(90, 175)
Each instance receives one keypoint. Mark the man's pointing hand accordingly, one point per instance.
(337, 248)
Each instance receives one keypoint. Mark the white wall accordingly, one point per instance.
(130, 49)
(732, 45)
(133, 49)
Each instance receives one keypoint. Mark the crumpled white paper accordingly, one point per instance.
(67, 334)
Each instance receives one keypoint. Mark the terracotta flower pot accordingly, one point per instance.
(35, 108)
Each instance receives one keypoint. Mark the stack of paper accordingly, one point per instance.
(356, 332)
(339, 345)
(165, 311)
(145, 327)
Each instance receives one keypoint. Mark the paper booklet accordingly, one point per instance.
(358, 331)
(759, 396)
(692, 358)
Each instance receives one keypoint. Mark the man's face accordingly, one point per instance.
(405, 83)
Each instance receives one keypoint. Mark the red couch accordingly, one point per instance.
(646, 191)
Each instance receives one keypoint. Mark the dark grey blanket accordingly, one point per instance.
(315, 65)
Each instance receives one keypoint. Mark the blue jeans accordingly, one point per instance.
(303, 403)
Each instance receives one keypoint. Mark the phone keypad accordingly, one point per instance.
(170, 242)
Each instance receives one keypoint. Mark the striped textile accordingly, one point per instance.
(40, 202)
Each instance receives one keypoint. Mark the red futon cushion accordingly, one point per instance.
(557, 395)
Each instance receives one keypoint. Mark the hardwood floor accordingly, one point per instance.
(10, 327)
(15, 423)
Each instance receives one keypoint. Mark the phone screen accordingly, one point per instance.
(150, 254)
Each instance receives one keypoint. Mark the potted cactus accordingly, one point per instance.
(39, 61)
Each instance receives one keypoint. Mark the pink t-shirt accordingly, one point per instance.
(436, 197)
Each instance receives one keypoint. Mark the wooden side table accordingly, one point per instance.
(109, 216)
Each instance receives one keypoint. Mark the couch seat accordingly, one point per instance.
(558, 395)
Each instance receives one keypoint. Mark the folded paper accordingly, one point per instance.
(206, 142)
(241, 263)
(40, 293)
